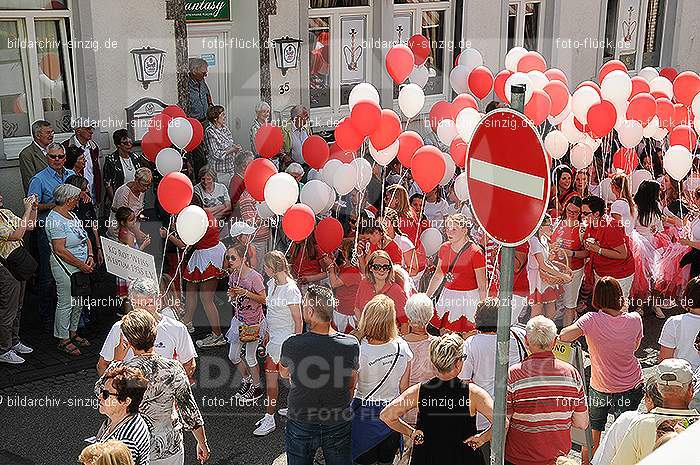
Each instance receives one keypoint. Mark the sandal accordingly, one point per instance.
(80, 341)
(68, 348)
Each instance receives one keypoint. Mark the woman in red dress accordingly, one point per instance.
(564, 188)
(344, 278)
(409, 222)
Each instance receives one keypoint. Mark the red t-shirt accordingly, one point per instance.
(393, 249)
(610, 234)
(521, 285)
(211, 237)
(235, 189)
(570, 237)
(351, 277)
(302, 265)
(463, 271)
(365, 293)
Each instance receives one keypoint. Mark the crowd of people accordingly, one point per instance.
(389, 349)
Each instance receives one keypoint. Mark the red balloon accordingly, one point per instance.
(347, 137)
(499, 84)
(642, 108)
(409, 142)
(626, 160)
(197, 134)
(441, 110)
(387, 131)
(420, 46)
(174, 111)
(268, 140)
(639, 86)
(580, 126)
(336, 153)
(610, 66)
(686, 86)
(685, 136)
(657, 94)
(539, 106)
(315, 151)
(669, 73)
(175, 192)
(681, 115)
(458, 151)
(461, 102)
(601, 118)
(329, 234)
(151, 144)
(480, 81)
(665, 111)
(399, 62)
(532, 61)
(159, 123)
(298, 222)
(590, 84)
(365, 116)
(556, 74)
(428, 167)
(256, 176)
(558, 95)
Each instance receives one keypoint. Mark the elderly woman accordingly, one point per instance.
(120, 167)
(296, 171)
(262, 114)
(12, 231)
(445, 431)
(87, 213)
(215, 198)
(221, 151)
(71, 252)
(130, 195)
(119, 400)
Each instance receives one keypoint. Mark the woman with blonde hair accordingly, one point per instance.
(106, 453)
(409, 221)
(414, 259)
(283, 320)
(381, 278)
(382, 375)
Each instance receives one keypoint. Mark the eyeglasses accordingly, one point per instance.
(584, 213)
(231, 258)
(57, 157)
(105, 394)
(380, 267)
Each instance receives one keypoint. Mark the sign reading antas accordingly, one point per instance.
(207, 10)
(126, 262)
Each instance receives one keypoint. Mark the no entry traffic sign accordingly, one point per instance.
(508, 177)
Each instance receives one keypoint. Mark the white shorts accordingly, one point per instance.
(571, 290)
(517, 307)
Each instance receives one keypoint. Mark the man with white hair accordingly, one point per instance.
(262, 115)
(172, 339)
(295, 132)
(545, 398)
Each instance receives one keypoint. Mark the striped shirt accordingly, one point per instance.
(218, 142)
(133, 432)
(543, 393)
(249, 214)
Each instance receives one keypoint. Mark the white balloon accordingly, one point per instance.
(556, 144)
(592, 143)
(361, 91)
(570, 131)
(419, 76)
(180, 132)
(678, 161)
(519, 78)
(695, 105)
(431, 239)
(328, 170)
(411, 100)
(581, 156)
(648, 73)
(555, 120)
(331, 202)
(345, 179)
(651, 128)
(384, 156)
(315, 194)
(696, 123)
(461, 187)
(513, 57)
(168, 160)
(364, 172)
(538, 78)
(637, 177)
(446, 131)
(660, 134)
(191, 224)
(264, 211)
(281, 192)
(621, 109)
(471, 58)
(582, 100)
(467, 120)
(449, 169)
(630, 133)
(663, 85)
(616, 86)
(458, 78)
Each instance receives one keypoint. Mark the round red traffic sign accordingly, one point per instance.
(508, 177)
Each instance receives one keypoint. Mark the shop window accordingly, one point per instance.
(13, 88)
(33, 5)
(524, 24)
(319, 62)
(337, 3)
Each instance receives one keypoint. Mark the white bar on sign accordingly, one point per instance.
(506, 178)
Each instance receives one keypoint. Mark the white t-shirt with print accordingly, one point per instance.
(679, 333)
(375, 360)
(218, 195)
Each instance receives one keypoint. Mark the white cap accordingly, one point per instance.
(621, 208)
(241, 227)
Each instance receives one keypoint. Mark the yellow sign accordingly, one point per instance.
(562, 351)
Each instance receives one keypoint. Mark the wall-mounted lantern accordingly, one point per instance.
(286, 53)
(148, 64)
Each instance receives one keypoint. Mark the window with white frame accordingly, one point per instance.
(525, 23)
(35, 69)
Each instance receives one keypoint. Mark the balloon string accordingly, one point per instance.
(493, 268)
(177, 272)
(165, 245)
(383, 185)
(415, 242)
(274, 240)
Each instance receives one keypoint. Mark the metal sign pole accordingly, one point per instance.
(505, 295)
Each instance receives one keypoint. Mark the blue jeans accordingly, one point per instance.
(302, 439)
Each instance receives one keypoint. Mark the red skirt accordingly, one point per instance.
(460, 325)
(551, 294)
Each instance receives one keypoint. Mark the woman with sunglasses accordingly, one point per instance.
(246, 292)
(381, 278)
(119, 400)
(119, 167)
(569, 245)
(459, 279)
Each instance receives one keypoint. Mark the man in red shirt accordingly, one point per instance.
(545, 399)
(607, 244)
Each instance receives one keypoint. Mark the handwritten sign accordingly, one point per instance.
(126, 262)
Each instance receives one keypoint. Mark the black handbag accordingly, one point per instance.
(80, 282)
(19, 262)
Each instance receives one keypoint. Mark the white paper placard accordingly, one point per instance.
(126, 262)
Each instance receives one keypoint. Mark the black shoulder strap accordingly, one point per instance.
(391, 368)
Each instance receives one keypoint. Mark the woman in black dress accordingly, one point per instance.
(445, 432)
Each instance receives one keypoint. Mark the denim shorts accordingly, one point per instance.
(600, 404)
